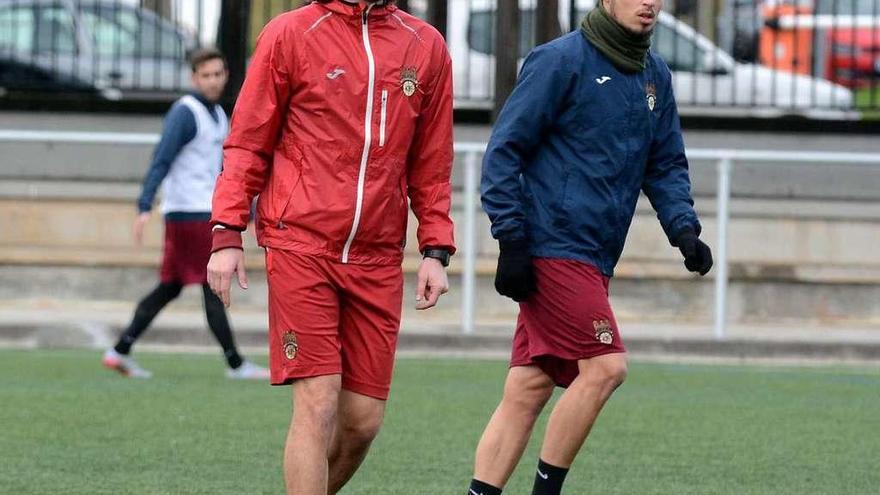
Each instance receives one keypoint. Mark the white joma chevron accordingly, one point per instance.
(603, 79)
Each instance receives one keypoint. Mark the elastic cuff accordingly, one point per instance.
(681, 233)
(225, 238)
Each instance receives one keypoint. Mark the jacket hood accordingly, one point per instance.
(353, 9)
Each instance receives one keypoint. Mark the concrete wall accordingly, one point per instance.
(803, 239)
(790, 260)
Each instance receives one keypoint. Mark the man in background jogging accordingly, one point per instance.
(186, 163)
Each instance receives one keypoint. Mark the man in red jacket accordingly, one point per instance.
(345, 113)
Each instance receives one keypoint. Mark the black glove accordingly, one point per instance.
(515, 277)
(697, 255)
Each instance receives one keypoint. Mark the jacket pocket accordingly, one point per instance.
(383, 118)
(286, 190)
(587, 213)
(385, 210)
(560, 213)
(404, 207)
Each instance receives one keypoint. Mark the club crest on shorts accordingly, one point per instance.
(603, 331)
(651, 95)
(409, 80)
(288, 341)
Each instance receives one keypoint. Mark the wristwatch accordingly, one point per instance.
(437, 253)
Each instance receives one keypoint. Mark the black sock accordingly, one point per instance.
(146, 311)
(548, 479)
(480, 488)
(219, 324)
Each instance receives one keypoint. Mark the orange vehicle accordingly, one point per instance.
(786, 47)
(846, 32)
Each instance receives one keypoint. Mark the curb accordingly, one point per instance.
(95, 336)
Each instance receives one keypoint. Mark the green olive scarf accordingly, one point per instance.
(628, 51)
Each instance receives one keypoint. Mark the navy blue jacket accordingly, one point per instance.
(573, 146)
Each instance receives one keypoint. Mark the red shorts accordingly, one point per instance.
(329, 318)
(567, 319)
(186, 252)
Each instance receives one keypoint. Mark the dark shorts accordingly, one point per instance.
(567, 319)
(329, 318)
(186, 252)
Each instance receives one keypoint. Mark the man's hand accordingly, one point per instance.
(431, 283)
(138, 228)
(221, 267)
(697, 255)
(515, 277)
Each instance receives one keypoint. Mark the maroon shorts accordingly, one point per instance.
(567, 319)
(186, 252)
(329, 318)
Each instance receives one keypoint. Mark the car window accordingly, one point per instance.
(848, 7)
(481, 31)
(679, 52)
(108, 37)
(17, 28)
(54, 30)
(164, 42)
(121, 31)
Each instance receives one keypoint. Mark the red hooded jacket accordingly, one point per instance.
(344, 113)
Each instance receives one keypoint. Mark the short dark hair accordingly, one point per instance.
(203, 55)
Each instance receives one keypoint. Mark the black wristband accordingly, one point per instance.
(439, 254)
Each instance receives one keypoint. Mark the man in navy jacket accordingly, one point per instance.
(590, 124)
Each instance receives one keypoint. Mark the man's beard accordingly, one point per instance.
(646, 32)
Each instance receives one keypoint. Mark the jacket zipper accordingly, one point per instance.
(384, 115)
(368, 137)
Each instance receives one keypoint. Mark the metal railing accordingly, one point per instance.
(472, 152)
(724, 161)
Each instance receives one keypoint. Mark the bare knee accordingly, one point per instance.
(609, 371)
(360, 419)
(527, 390)
(315, 403)
(615, 374)
(360, 432)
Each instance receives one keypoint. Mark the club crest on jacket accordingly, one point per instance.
(409, 80)
(651, 94)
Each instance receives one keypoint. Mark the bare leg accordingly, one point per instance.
(315, 403)
(577, 409)
(357, 424)
(526, 391)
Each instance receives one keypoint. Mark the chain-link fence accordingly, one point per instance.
(813, 58)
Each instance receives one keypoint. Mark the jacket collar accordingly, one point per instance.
(350, 8)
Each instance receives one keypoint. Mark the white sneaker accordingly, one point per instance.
(248, 371)
(125, 365)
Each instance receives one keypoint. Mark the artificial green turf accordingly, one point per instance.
(868, 101)
(69, 427)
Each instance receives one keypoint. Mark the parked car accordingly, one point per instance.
(853, 28)
(706, 79)
(18, 75)
(114, 48)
